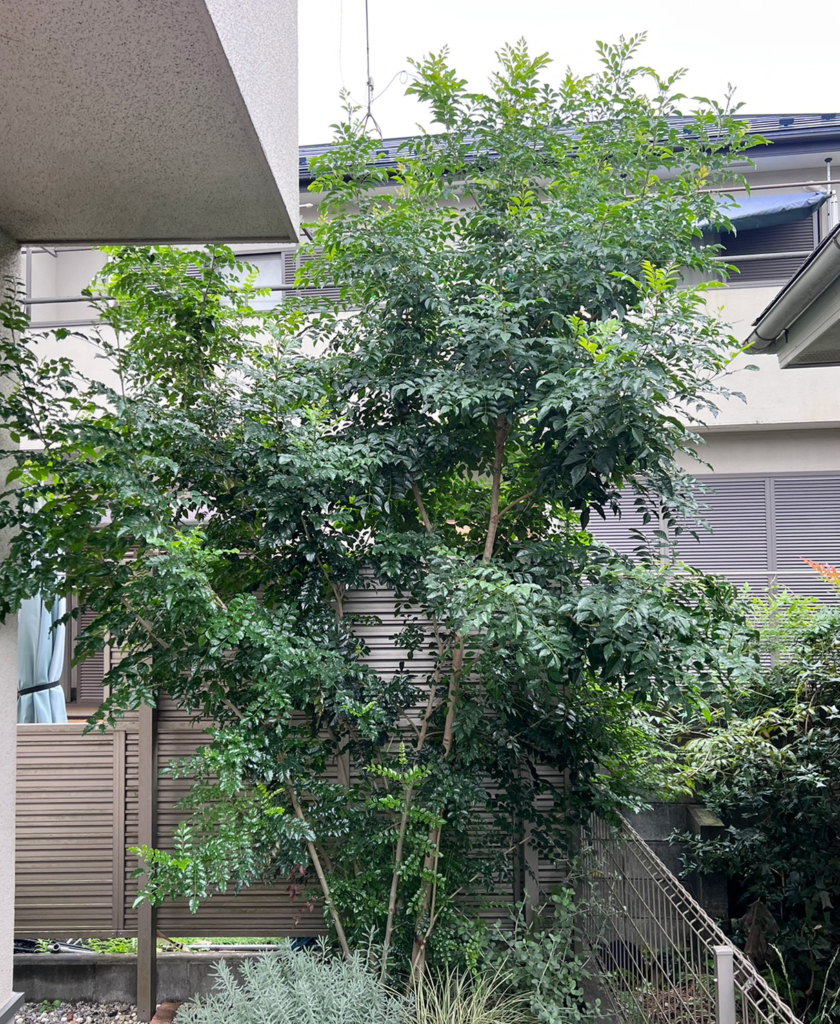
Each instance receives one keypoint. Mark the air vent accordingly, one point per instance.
(292, 260)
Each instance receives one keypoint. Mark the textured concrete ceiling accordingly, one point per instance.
(148, 120)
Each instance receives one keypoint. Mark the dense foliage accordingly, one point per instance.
(547, 960)
(508, 353)
(771, 770)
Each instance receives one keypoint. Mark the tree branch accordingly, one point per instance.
(502, 432)
(518, 501)
(421, 508)
(322, 878)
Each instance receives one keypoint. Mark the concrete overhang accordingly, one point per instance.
(148, 120)
(802, 323)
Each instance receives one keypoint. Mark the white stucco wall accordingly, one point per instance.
(809, 395)
(8, 727)
(124, 120)
(260, 43)
(785, 450)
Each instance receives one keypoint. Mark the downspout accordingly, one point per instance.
(832, 197)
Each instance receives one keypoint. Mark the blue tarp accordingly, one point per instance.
(766, 211)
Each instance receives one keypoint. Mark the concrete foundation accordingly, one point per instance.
(113, 979)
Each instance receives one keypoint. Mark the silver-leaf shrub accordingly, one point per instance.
(290, 987)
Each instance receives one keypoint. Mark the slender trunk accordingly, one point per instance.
(428, 896)
(496, 486)
(322, 878)
(395, 882)
(342, 753)
(430, 864)
(398, 852)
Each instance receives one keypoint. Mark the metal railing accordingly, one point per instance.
(661, 958)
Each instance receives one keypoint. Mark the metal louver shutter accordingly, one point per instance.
(621, 533)
(91, 672)
(797, 237)
(82, 683)
(736, 512)
(761, 529)
(807, 526)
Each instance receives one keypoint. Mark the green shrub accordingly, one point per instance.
(290, 987)
(770, 769)
(116, 944)
(545, 962)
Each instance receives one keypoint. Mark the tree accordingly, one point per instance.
(509, 350)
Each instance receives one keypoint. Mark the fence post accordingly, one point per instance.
(147, 834)
(724, 984)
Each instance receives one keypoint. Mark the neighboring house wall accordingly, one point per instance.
(772, 461)
(787, 429)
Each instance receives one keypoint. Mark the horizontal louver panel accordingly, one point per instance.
(64, 853)
(75, 875)
(797, 237)
(292, 260)
(90, 672)
(767, 272)
(762, 528)
(736, 513)
(779, 238)
(627, 532)
(807, 520)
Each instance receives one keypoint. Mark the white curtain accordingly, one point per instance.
(40, 662)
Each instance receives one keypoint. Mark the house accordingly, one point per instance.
(136, 122)
(773, 459)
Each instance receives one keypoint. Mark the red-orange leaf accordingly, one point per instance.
(827, 572)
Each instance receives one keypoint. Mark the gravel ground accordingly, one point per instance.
(77, 1013)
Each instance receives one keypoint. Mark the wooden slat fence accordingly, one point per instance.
(78, 803)
(77, 813)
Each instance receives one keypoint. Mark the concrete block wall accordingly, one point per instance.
(660, 822)
(113, 979)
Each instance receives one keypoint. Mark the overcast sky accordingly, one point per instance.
(777, 56)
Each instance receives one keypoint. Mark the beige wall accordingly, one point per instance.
(8, 719)
(788, 450)
(809, 395)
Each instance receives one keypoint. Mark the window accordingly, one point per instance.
(769, 256)
(82, 683)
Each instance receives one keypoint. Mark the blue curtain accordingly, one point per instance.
(40, 662)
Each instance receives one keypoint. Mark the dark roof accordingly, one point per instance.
(779, 129)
